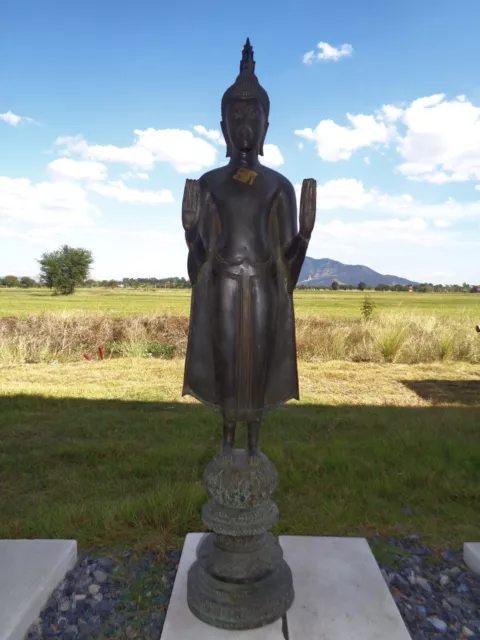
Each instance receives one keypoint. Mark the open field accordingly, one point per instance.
(110, 454)
(331, 304)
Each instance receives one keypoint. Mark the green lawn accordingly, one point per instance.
(109, 453)
(339, 304)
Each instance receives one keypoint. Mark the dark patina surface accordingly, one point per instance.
(245, 256)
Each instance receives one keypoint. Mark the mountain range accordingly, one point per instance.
(322, 272)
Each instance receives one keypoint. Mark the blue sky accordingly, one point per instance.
(107, 107)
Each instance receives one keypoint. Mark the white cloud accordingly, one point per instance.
(185, 152)
(69, 169)
(272, 156)
(309, 57)
(300, 145)
(411, 231)
(350, 194)
(94, 174)
(442, 140)
(335, 142)
(346, 193)
(437, 139)
(212, 134)
(44, 203)
(140, 175)
(119, 191)
(328, 52)
(366, 160)
(135, 155)
(390, 113)
(68, 145)
(12, 119)
(180, 148)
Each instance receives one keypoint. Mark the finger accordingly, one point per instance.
(185, 196)
(312, 193)
(303, 194)
(305, 188)
(191, 195)
(194, 193)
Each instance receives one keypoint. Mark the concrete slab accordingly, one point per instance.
(471, 556)
(180, 623)
(30, 570)
(340, 595)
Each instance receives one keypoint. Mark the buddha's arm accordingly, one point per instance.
(195, 216)
(294, 242)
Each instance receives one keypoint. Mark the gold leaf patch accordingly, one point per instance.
(244, 175)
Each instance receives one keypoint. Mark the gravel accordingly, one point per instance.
(126, 596)
(123, 596)
(435, 592)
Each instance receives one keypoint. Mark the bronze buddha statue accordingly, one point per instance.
(245, 256)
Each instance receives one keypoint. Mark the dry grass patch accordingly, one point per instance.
(399, 338)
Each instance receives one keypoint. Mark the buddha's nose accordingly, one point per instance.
(245, 131)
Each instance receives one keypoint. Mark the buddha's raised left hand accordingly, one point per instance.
(308, 207)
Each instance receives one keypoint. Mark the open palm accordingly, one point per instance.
(308, 207)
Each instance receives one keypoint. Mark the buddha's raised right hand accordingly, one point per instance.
(191, 205)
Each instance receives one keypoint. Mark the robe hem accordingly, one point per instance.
(187, 391)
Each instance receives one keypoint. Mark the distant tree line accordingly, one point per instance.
(25, 282)
(142, 283)
(425, 287)
(13, 281)
(128, 283)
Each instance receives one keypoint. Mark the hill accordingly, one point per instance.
(323, 271)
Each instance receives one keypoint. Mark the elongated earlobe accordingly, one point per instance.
(262, 141)
(227, 139)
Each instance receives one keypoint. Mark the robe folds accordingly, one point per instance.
(241, 353)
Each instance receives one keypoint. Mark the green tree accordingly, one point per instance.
(65, 269)
(362, 286)
(335, 285)
(27, 283)
(10, 281)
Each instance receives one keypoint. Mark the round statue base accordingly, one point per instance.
(240, 580)
(237, 606)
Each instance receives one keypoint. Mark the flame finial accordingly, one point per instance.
(247, 63)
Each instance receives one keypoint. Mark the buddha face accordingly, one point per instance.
(245, 126)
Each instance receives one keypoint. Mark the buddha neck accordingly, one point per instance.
(245, 158)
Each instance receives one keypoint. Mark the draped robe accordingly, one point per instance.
(241, 353)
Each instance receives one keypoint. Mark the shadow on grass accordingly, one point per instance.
(107, 472)
(465, 392)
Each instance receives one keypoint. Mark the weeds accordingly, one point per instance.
(367, 307)
(390, 337)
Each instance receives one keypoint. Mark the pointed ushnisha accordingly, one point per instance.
(247, 63)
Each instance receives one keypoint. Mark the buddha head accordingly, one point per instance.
(245, 109)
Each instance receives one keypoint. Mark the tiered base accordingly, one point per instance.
(340, 593)
(240, 579)
(229, 605)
